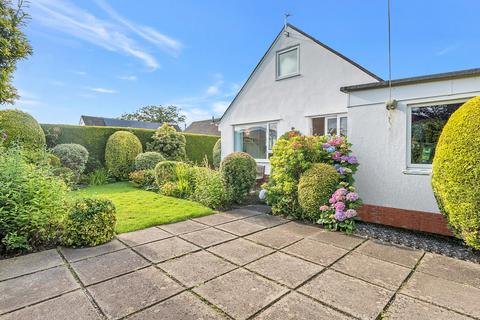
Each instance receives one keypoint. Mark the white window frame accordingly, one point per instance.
(326, 118)
(422, 166)
(267, 140)
(277, 62)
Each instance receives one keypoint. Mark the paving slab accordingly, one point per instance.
(406, 308)
(124, 295)
(195, 268)
(285, 269)
(241, 227)
(184, 306)
(451, 269)
(243, 213)
(315, 251)
(240, 251)
(382, 273)
(166, 249)
(26, 290)
(71, 306)
(136, 238)
(295, 306)
(183, 227)
(96, 269)
(446, 293)
(207, 237)
(216, 219)
(75, 254)
(267, 220)
(29, 263)
(404, 256)
(259, 207)
(300, 229)
(240, 293)
(354, 296)
(274, 238)
(337, 239)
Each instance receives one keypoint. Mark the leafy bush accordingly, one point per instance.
(92, 165)
(21, 128)
(32, 201)
(54, 161)
(210, 189)
(315, 187)
(98, 177)
(148, 160)
(120, 152)
(338, 214)
(72, 156)
(91, 222)
(177, 179)
(145, 179)
(217, 153)
(456, 172)
(169, 142)
(239, 171)
(165, 172)
(67, 175)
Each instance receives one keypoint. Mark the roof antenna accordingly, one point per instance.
(391, 104)
(285, 24)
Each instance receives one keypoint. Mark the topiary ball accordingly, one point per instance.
(165, 172)
(148, 160)
(73, 156)
(456, 172)
(21, 128)
(315, 187)
(217, 153)
(239, 171)
(120, 152)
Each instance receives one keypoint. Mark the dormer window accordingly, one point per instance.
(288, 63)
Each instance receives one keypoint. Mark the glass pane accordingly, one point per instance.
(318, 126)
(287, 63)
(343, 126)
(272, 135)
(252, 140)
(427, 124)
(332, 126)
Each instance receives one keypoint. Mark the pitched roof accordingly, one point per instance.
(111, 122)
(412, 80)
(204, 127)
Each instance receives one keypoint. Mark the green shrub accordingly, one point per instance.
(217, 153)
(165, 172)
(145, 179)
(21, 128)
(239, 171)
(72, 156)
(120, 152)
(315, 187)
(32, 201)
(98, 177)
(91, 222)
(210, 189)
(456, 172)
(168, 142)
(148, 160)
(199, 146)
(54, 161)
(67, 175)
(92, 165)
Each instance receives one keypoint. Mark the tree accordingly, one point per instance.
(169, 114)
(14, 46)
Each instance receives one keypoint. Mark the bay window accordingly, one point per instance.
(256, 139)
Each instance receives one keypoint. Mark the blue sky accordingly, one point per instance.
(106, 57)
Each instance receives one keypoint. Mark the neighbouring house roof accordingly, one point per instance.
(111, 122)
(413, 80)
(204, 127)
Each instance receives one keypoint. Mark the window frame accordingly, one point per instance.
(277, 62)
(326, 117)
(267, 133)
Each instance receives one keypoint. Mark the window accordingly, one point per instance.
(287, 63)
(426, 124)
(329, 125)
(256, 139)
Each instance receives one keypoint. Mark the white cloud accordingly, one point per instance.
(129, 78)
(103, 90)
(80, 73)
(213, 90)
(219, 107)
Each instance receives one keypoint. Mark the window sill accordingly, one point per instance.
(418, 171)
(287, 77)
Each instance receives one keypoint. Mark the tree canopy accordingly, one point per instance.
(169, 114)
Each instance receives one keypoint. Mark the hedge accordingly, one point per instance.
(95, 138)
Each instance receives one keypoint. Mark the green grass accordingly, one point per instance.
(139, 209)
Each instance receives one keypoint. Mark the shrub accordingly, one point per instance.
(199, 146)
(72, 156)
(21, 128)
(120, 152)
(217, 153)
(239, 171)
(54, 161)
(169, 142)
(92, 165)
(456, 172)
(145, 179)
(91, 222)
(315, 187)
(148, 160)
(165, 172)
(67, 175)
(98, 177)
(32, 201)
(210, 189)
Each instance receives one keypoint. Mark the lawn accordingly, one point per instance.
(139, 209)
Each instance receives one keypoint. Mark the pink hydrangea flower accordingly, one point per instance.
(350, 213)
(340, 206)
(340, 215)
(341, 192)
(332, 200)
(352, 196)
(336, 155)
(324, 208)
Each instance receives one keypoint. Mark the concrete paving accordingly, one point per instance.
(241, 264)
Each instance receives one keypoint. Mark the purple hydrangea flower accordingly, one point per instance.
(341, 170)
(352, 196)
(339, 206)
(350, 213)
(340, 215)
(344, 158)
(352, 160)
(325, 145)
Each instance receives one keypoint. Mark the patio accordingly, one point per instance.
(241, 264)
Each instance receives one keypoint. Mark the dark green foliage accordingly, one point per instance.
(239, 171)
(145, 179)
(200, 146)
(92, 165)
(73, 156)
(91, 222)
(315, 187)
(68, 176)
(120, 152)
(160, 114)
(98, 177)
(148, 160)
(210, 189)
(217, 153)
(168, 142)
(21, 128)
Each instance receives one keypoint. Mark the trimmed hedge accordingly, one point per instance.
(120, 153)
(21, 128)
(95, 138)
(239, 171)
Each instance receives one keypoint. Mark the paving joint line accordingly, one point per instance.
(30, 273)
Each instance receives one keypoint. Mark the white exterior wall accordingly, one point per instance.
(383, 177)
(294, 100)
